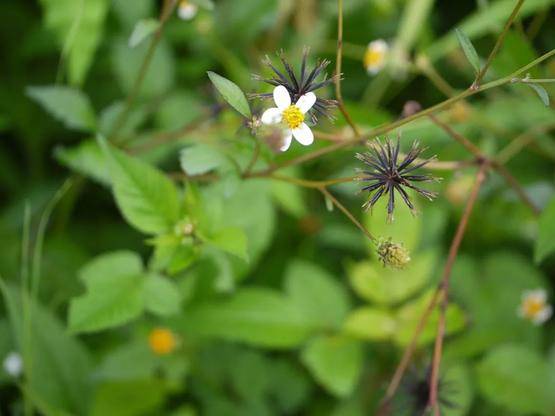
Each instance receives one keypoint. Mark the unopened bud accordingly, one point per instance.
(393, 254)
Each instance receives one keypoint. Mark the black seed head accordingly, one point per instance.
(387, 175)
(298, 84)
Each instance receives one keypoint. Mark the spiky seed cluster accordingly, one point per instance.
(300, 84)
(393, 254)
(387, 176)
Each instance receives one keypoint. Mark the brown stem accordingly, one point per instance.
(338, 61)
(444, 285)
(166, 12)
(498, 45)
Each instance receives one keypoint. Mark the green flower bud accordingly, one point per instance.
(393, 254)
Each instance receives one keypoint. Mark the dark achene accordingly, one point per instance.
(300, 84)
(387, 176)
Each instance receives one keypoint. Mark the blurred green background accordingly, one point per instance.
(282, 308)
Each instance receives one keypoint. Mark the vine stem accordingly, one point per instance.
(436, 297)
(498, 45)
(166, 12)
(392, 126)
(338, 63)
(444, 285)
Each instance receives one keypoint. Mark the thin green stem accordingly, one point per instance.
(338, 62)
(534, 81)
(498, 45)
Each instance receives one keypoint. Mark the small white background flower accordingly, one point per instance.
(375, 56)
(534, 306)
(186, 10)
(292, 115)
(13, 364)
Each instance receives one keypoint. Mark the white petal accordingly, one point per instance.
(271, 116)
(287, 137)
(281, 97)
(378, 45)
(306, 102)
(303, 135)
(187, 11)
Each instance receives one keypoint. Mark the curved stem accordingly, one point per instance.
(498, 44)
(444, 285)
(166, 12)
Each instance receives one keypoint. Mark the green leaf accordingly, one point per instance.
(370, 324)
(335, 362)
(114, 295)
(57, 365)
(231, 93)
(68, 105)
(199, 159)
(542, 93)
(129, 398)
(161, 296)
(376, 283)
(468, 49)
(545, 244)
(408, 317)
(260, 317)
(146, 197)
(322, 298)
(142, 30)
(86, 158)
(78, 26)
(232, 240)
(515, 377)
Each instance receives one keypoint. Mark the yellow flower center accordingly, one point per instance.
(373, 57)
(293, 116)
(162, 341)
(532, 307)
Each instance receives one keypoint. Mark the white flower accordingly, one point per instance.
(375, 56)
(13, 364)
(186, 10)
(534, 306)
(292, 115)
